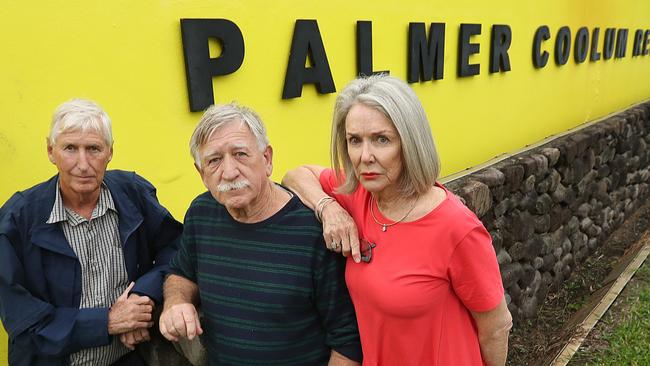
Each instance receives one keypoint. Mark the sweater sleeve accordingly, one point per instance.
(184, 263)
(334, 304)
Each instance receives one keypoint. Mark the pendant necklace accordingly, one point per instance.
(384, 226)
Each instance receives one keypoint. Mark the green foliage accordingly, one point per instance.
(629, 343)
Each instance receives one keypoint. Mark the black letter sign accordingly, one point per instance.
(501, 39)
(562, 46)
(199, 67)
(608, 47)
(364, 49)
(621, 43)
(467, 49)
(542, 34)
(307, 42)
(595, 55)
(582, 40)
(638, 38)
(426, 60)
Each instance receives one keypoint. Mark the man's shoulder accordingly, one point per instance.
(298, 211)
(122, 177)
(31, 197)
(298, 219)
(128, 182)
(203, 203)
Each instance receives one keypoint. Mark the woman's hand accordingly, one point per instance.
(340, 231)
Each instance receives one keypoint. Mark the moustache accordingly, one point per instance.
(225, 187)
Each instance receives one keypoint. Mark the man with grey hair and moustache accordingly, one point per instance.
(84, 254)
(253, 256)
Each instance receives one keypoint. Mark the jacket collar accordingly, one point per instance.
(130, 217)
(50, 236)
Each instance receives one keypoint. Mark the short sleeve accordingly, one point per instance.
(474, 271)
(329, 182)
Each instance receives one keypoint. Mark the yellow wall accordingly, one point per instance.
(127, 55)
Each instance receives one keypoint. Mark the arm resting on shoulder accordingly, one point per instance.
(493, 330)
(304, 181)
(338, 225)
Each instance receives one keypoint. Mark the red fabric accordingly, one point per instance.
(413, 299)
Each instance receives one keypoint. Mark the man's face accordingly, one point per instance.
(81, 158)
(233, 168)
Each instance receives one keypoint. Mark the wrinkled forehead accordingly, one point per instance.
(81, 136)
(232, 131)
(230, 135)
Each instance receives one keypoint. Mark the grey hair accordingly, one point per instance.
(399, 103)
(217, 116)
(80, 115)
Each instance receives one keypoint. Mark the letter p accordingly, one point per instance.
(199, 67)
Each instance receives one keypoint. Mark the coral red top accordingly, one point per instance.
(413, 299)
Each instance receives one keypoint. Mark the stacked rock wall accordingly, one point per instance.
(549, 208)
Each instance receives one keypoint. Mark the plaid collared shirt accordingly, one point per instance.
(96, 242)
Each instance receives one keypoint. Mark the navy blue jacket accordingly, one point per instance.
(40, 275)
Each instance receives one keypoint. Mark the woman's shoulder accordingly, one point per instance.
(458, 215)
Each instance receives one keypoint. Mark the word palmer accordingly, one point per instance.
(425, 54)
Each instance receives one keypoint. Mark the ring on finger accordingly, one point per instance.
(334, 245)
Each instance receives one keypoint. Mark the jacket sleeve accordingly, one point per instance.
(334, 304)
(163, 234)
(34, 323)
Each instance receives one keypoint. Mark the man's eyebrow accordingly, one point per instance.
(239, 145)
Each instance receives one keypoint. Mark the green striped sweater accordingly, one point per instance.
(271, 293)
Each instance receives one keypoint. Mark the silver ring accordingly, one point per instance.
(334, 245)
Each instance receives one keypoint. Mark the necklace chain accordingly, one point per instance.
(384, 226)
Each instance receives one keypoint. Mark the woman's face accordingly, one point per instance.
(374, 148)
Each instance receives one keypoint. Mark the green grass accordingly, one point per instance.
(629, 342)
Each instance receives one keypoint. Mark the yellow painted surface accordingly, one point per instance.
(3, 347)
(127, 56)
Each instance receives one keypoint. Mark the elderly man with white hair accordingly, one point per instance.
(253, 256)
(84, 254)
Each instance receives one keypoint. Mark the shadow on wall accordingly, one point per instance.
(549, 208)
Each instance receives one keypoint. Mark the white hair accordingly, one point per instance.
(217, 116)
(80, 115)
(398, 102)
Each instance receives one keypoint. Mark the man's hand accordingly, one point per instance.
(337, 359)
(129, 313)
(180, 320)
(130, 339)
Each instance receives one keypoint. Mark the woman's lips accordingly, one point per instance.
(369, 175)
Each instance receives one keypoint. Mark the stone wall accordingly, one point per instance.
(549, 208)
